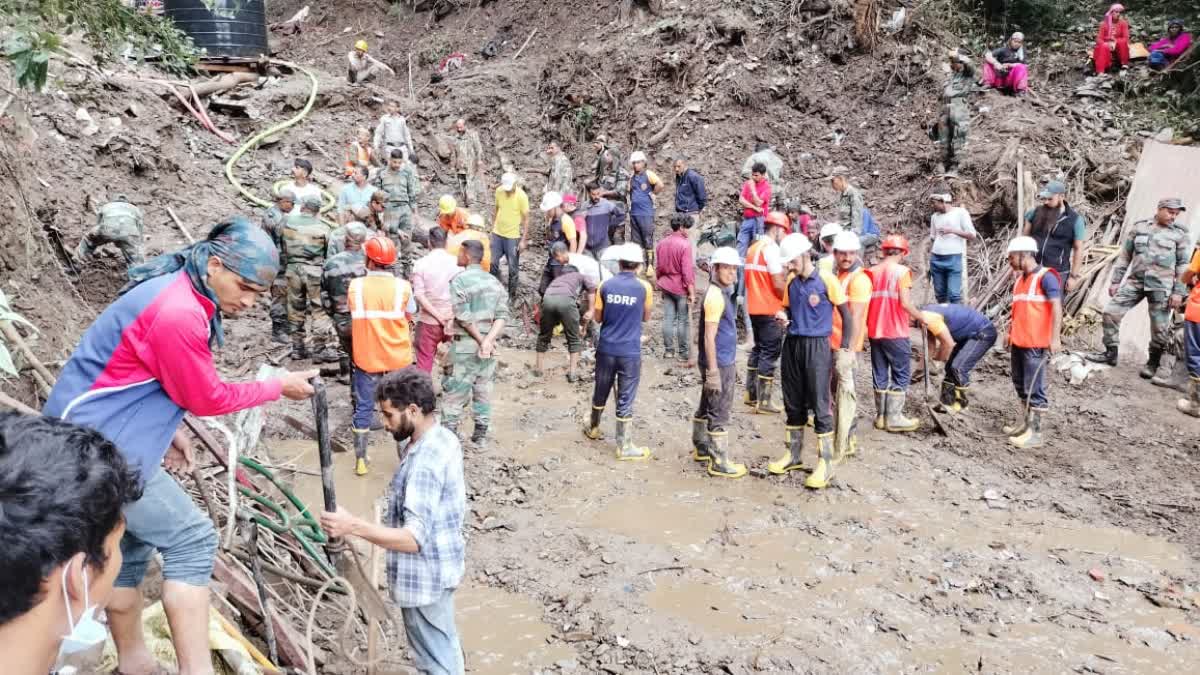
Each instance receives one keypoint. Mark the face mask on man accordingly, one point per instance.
(87, 635)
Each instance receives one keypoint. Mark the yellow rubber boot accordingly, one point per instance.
(362, 440)
(881, 404)
(592, 430)
(766, 395)
(823, 474)
(960, 397)
(793, 449)
(701, 452)
(626, 450)
(1032, 436)
(948, 398)
(897, 422)
(1191, 404)
(721, 465)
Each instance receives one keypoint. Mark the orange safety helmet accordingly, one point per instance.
(895, 241)
(380, 250)
(779, 218)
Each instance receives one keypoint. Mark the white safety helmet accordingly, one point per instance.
(637, 156)
(846, 241)
(726, 255)
(551, 201)
(630, 253)
(793, 246)
(830, 230)
(1022, 245)
(508, 181)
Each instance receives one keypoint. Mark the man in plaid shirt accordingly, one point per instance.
(423, 535)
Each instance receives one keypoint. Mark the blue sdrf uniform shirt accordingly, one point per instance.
(621, 300)
(718, 302)
(964, 322)
(641, 186)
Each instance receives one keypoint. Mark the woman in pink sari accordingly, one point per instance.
(1112, 41)
(1005, 68)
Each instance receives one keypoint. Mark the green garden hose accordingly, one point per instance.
(257, 138)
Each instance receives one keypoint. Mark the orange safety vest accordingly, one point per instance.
(454, 222)
(886, 318)
(760, 289)
(355, 153)
(381, 340)
(835, 338)
(1032, 312)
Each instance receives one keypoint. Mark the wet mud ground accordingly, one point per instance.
(928, 554)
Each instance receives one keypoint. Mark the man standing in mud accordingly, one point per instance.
(338, 272)
(717, 347)
(955, 122)
(119, 224)
(273, 219)
(305, 239)
(480, 307)
(561, 174)
(467, 159)
(623, 304)
(1035, 334)
(400, 183)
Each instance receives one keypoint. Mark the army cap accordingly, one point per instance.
(1172, 203)
(312, 202)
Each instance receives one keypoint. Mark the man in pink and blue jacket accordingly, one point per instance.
(143, 364)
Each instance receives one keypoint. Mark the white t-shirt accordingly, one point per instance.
(956, 219)
(310, 189)
(588, 267)
(771, 258)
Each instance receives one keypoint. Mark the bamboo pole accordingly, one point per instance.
(43, 376)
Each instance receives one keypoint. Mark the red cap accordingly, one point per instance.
(570, 199)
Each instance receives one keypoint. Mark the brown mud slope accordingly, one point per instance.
(926, 555)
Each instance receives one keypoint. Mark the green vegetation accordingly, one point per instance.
(109, 26)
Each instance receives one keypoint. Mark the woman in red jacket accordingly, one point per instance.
(1112, 41)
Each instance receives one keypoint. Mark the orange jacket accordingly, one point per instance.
(453, 223)
(760, 289)
(1032, 312)
(379, 322)
(886, 318)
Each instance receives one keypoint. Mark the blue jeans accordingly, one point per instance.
(1191, 343)
(626, 371)
(503, 247)
(433, 637)
(946, 272)
(166, 519)
(967, 353)
(891, 364)
(675, 324)
(749, 231)
(1029, 375)
(364, 384)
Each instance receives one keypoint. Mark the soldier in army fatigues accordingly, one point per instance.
(400, 183)
(119, 224)
(468, 163)
(956, 113)
(339, 271)
(272, 223)
(305, 238)
(480, 306)
(1156, 254)
(608, 170)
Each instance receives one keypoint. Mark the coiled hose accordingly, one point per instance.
(330, 202)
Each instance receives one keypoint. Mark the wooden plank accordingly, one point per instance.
(242, 592)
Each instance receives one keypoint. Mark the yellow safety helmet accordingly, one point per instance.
(447, 204)
(361, 45)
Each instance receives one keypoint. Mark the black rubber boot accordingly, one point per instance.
(947, 401)
(344, 370)
(299, 350)
(751, 387)
(279, 334)
(1109, 356)
(479, 435)
(1151, 368)
(592, 430)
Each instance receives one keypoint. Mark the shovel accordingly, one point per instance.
(933, 413)
(340, 553)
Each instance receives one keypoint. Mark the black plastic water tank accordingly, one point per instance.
(233, 28)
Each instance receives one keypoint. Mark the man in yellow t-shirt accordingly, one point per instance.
(857, 287)
(1191, 336)
(510, 231)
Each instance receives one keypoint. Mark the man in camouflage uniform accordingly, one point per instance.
(467, 159)
(119, 224)
(561, 174)
(609, 172)
(305, 238)
(480, 306)
(401, 186)
(339, 271)
(956, 113)
(1156, 254)
(272, 224)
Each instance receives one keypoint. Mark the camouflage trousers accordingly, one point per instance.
(470, 191)
(399, 228)
(952, 130)
(1128, 296)
(129, 242)
(471, 382)
(343, 329)
(279, 312)
(303, 301)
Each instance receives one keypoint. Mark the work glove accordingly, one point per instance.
(712, 381)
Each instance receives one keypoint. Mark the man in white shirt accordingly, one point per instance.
(301, 186)
(950, 229)
(363, 66)
(392, 133)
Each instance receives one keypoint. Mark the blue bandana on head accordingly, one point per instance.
(242, 247)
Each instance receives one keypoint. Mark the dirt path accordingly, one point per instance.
(921, 557)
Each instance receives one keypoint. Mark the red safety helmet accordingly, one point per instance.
(380, 250)
(780, 219)
(895, 241)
